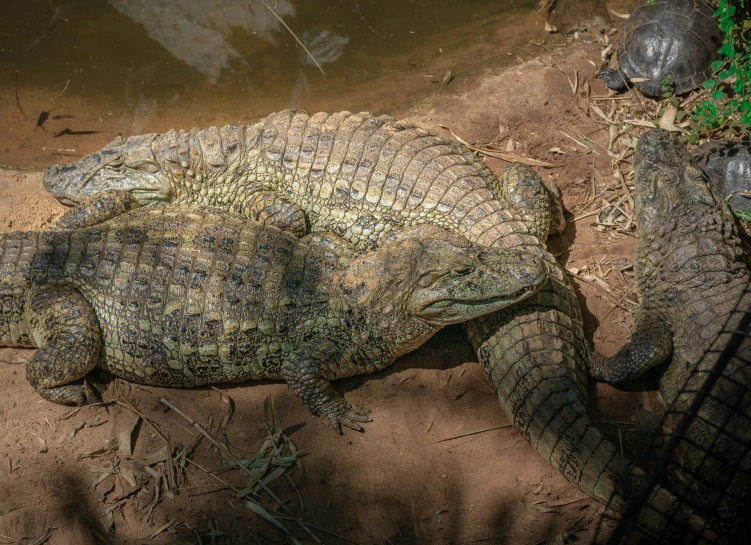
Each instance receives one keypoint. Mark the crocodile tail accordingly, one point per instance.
(533, 355)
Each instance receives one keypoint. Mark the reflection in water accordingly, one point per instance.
(324, 45)
(195, 31)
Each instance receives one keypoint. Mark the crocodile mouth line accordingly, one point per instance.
(517, 296)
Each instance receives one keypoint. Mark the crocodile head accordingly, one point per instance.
(665, 181)
(435, 277)
(126, 164)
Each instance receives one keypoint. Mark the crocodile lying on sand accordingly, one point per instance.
(360, 176)
(184, 296)
(693, 282)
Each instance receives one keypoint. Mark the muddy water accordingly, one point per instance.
(126, 66)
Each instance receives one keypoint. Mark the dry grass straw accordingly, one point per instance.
(141, 484)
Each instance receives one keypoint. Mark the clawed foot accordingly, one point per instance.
(72, 394)
(338, 412)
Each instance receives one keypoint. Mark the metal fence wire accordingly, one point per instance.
(706, 460)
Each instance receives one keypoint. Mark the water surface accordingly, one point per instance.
(142, 65)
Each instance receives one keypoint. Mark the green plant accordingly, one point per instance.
(729, 104)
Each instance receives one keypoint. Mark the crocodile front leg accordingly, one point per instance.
(272, 208)
(97, 209)
(305, 372)
(66, 330)
(651, 344)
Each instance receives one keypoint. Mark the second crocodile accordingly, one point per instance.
(694, 286)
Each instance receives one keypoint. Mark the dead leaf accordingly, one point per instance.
(158, 456)
(557, 151)
(43, 538)
(550, 29)
(125, 436)
(111, 445)
(582, 96)
(619, 14)
(667, 121)
(596, 109)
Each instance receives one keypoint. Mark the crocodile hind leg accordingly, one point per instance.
(66, 330)
(272, 208)
(305, 371)
(101, 207)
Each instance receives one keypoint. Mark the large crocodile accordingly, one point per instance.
(182, 296)
(360, 176)
(693, 282)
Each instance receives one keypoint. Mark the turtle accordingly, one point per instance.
(727, 164)
(673, 40)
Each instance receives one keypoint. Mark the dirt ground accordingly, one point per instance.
(439, 463)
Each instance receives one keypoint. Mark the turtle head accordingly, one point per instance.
(125, 164)
(429, 275)
(666, 179)
(614, 79)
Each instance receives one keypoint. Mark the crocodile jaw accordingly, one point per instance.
(120, 166)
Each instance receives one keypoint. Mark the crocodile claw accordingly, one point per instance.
(340, 413)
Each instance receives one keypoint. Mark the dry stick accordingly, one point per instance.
(357, 7)
(272, 511)
(294, 36)
(61, 92)
(472, 433)
(596, 285)
(210, 474)
(281, 516)
(628, 194)
(18, 101)
(223, 448)
(130, 407)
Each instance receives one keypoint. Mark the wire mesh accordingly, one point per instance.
(706, 461)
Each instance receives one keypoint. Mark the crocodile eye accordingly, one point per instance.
(429, 278)
(116, 164)
(463, 271)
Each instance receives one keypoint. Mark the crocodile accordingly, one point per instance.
(186, 296)
(693, 282)
(360, 176)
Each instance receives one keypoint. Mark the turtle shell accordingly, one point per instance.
(670, 38)
(727, 164)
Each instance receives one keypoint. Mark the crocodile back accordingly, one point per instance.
(184, 297)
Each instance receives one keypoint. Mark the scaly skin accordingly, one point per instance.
(727, 164)
(360, 176)
(185, 296)
(693, 283)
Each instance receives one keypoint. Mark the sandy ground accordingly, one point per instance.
(414, 476)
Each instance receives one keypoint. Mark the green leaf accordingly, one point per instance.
(716, 65)
(709, 84)
(727, 49)
(718, 95)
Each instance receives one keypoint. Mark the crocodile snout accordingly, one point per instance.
(64, 182)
